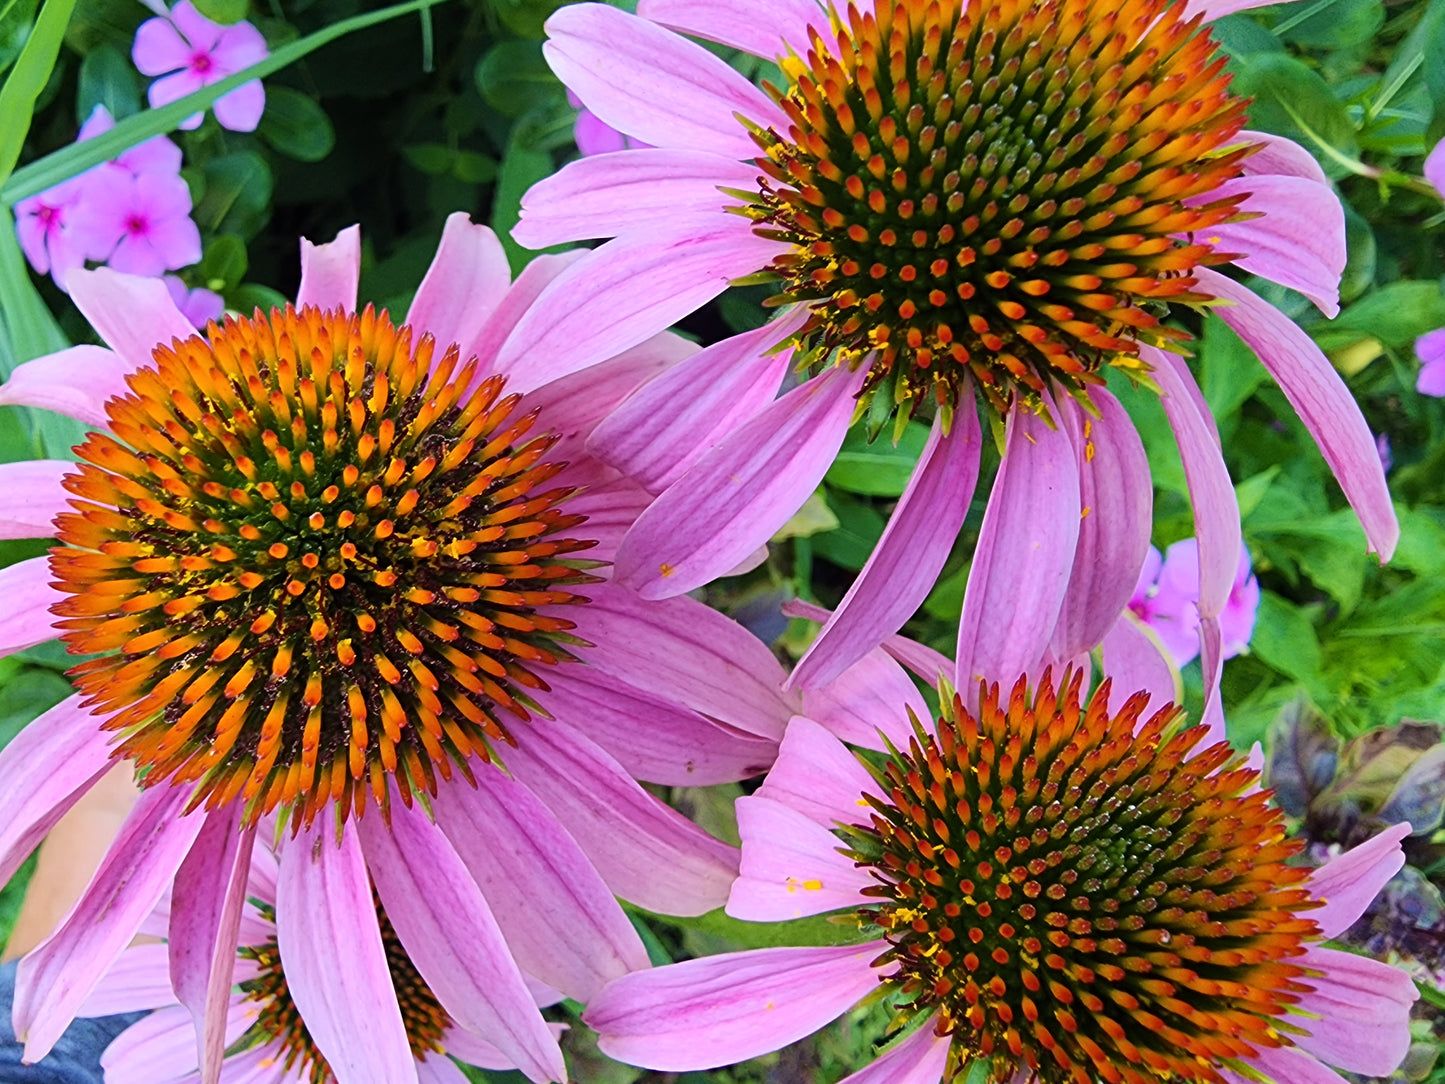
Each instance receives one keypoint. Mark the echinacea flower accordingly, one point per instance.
(266, 1037)
(320, 563)
(957, 200)
(189, 52)
(1167, 600)
(1048, 890)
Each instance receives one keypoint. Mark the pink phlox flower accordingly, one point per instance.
(45, 228)
(593, 135)
(190, 52)
(1435, 168)
(199, 306)
(140, 224)
(156, 155)
(1167, 600)
(1430, 349)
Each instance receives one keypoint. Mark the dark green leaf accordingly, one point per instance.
(522, 167)
(513, 77)
(16, 18)
(880, 469)
(296, 125)
(1292, 100)
(238, 194)
(860, 526)
(1335, 24)
(224, 263)
(108, 78)
(224, 12)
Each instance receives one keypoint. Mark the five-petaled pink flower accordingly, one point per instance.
(190, 52)
(938, 240)
(139, 224)
(1430, 349)
(45, 227)
(1167, 600)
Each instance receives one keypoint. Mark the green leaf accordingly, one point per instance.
(813, 518)
(224, 263)
(522, 167)
(1333, 24)
(78, 157)
(525, 17)
(224, 12)
(107, 78)
(1293, 100)
(880, 469)
(859, 527)
(1284, 639)
(1395, 314)
(1229, 372)
(28, 78)
(237, 198)
(513, 77)
(296, 125)
(30, 328)
(818, 930)
(16, 17)
(250, 296)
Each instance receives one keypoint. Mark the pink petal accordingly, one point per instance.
(77, 382)
(920, 659)
(1288, 1064)
(724, 1009)
(647, 852)
(201, 32)
(576, 404)
(206, 902)
(30, 497)
(560, 921)
(57, 976)
(627, 290)
(465, 283)
(241, 109)
(174, 87)
(608, 194)
(1364, 1012)
(473, 1051)
(592, 135)
(48, 767)
(1025, 551)
(1322, 401)
(526, 288)
(1300, 240)
(653, 85)
(919, 1059)
(868, 701)
(790, 866)
(238, 46)
(1348, 883)
(909, 556)
(610, 502)
(133, 315)
(662, 431)
(138, 981)
(741, 491)
(1218, 9)
(1116, 493)
(817, 776)
(1280, 157)
(1211, 662)
(438, 1069)
(1136, 662)
(162, 1047)
(159, 48)
(760, 27)
(688, 653)
(323, 900)
(652, 737)
(445, 926)
(1431, 378)
(26, 620)
(1434, 168)
(330, 272)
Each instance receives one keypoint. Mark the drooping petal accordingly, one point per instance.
(47, 768)
(634, 286)
(1363, 1009)
(651, 736)
(790, 866)
(1025, 551)
(465, 283)
(817, 776)
(607, 194)
(718, 1010)
(560, 921)
(740, 492)
(652, 84)
(133, 315)
(868, 702)
(689, 653)
(75, 382)
(1321, 399)
(647, 852)
(1211, 662)
(760, 27)
(1298, 242)
(323, 901)
(30, 497)
(58, 975)
(663, 429)
(1347, 883)
(330, 272)
(919, 1059)
(908, 557)
(444, 924)
(1136, 661)
(206, 902)
(139, 980)
(919, 658)
(1116, 497)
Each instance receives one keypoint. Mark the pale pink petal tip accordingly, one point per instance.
(1435, 168)
(330, 272)
(1346, 884)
